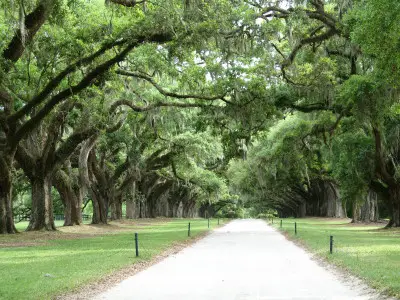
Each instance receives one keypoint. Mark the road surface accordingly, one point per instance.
(246, 259)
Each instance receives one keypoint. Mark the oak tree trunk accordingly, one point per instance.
(6, 214)
(42, 205)
(131, 203)
(301, 211)
(130, 208)
(72, 207)
(369, 210)
(71, 199)
(356, 217)
(100, 209)
(116, 209)
(133, 208)
(394, 199)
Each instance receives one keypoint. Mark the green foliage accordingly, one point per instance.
(268, 214)
(367, 98)
(236, 74)
(374, 26)
(195, 152)
(352, 162)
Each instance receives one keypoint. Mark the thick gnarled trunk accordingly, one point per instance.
(42, 205)
(302, 210)
(369, 210)
(189, 208)
(72, 208)
(70, 197)
(356, 211)
(6, 213)
(323, 200)
(394, 199)
(388, 175)
(116, 209)
(131, 203)
(100, 209)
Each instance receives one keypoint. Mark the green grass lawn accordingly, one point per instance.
(21, 226)
(67, 262)
(368, 251)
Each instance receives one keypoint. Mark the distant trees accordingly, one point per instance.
(341, 79)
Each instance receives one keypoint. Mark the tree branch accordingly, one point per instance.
(312, 107)
(307, 41)
(26, 109)
(55, 129)
(69, 146)
(166, 93)
(127, 3)
(33, 22)
(84, 83)
(136, 108)
(160, 161)
(282, 13)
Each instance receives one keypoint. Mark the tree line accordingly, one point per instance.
(335, 151)
(178, 106)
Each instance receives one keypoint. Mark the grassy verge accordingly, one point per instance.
(21, 226)
(40, 265)
(367, 251)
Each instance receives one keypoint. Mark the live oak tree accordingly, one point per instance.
(375, 93)
(49, 60)
(55, 83)
(332, 62)
(153, 103)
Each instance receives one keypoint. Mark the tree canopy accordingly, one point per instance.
(183, 108)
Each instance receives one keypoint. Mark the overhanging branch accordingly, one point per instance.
(84, 83)
(137, 108)
(127, 3)
(166, 93)
(57, 80)
(33, 22)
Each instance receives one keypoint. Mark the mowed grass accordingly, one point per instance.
(54, 263)
(367, 251)
(21, 226)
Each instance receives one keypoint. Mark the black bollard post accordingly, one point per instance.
(137, 244)
(189, 229)
(281, 223)
(295, 228)
(331, 244)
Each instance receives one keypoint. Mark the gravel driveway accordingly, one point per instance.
(245, 259)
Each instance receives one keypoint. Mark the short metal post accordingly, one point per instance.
(295, 228)
(189, 229)
(137, 244)
(208, 223)
(281, 223)
(331, 244)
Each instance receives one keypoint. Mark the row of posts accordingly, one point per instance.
(295, 232)
(208, 225)
(137, 237)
